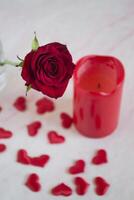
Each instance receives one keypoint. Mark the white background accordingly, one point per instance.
(87, 27)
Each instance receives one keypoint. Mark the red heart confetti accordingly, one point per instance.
(101, 186)
(2, 148)
(55, 138)
(40, 161)
(78, 167)
(81, 185)
(24, 158)
(44, 105)
(100, 157)
(33, 128)
(32, 182)
(5, 133)
(20, 104)
(66, 120)
(61, 190)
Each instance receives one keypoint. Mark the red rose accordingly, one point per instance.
(48, 69)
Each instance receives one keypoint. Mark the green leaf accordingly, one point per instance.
(28, 88)
(35, 43)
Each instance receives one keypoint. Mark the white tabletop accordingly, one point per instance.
(87, 27)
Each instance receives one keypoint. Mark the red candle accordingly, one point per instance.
(98, 82)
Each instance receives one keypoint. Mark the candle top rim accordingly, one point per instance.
(103, 58)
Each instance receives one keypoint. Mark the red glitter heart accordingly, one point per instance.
(66, 120)
(100, 157)
(5, 133)
(78, 167)
(33, 128)
(2, 147)
(40, 161)
(24, 158)
(20, 104)
(32, 182)
(81, 185)
(101, 186)
(61, 190)
(44, 105)
(55, 138)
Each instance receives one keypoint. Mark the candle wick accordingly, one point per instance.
(99, 85)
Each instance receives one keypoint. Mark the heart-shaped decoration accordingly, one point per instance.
(100, 157)
(20, 104)
(61, 190)
(55, 138)
(66, 120)
(33, 128)
(101, 186)
(22, 157)
(81, 185)
(32, 182)
(5, 133)
(2, 147)
(78, 167)
(40, 161)
(44, 105)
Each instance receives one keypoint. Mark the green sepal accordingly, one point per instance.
(35, 43)
(28, 87)
(20, 64)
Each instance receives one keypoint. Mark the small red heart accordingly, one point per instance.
(32, 182)
(2, 147)
(20, 104)
(22, 157)
(101, 186)
(81, 185)
(55, 138)
(44, 105)
(100, 157)
(66, 120)
(33, 128)
(5, 133)
(78, 167)
(61, 190)
(40, 161)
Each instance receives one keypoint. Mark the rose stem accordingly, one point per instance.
(8, 62)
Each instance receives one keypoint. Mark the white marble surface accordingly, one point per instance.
(87, 27)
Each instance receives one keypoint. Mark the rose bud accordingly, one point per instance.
(48, 69)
